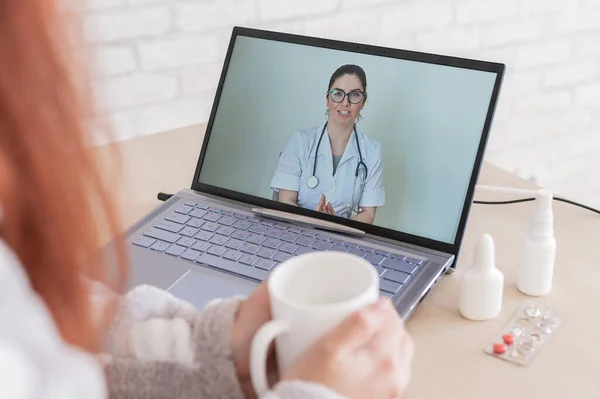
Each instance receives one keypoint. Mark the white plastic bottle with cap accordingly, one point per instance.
(537, 263)
(482, 285)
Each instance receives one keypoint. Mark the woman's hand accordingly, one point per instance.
(369, 355)
(252, 314)
(324, 206)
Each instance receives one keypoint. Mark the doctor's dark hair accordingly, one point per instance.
(350, 69)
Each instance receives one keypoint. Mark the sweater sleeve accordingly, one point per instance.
(174, 355)
(160, 367)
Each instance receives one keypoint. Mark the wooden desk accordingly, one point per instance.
(450, 362)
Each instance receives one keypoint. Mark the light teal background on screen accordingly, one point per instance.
(428, 118)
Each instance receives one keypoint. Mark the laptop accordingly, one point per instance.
(222, 236)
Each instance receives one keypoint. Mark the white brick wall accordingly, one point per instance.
(178, 52)
(129, 23)
(100, 4)
(414, 16)
(158, 63)
(136, 89)
(514, 31)
(482, 11)
(282, 9)
(205, 16)
(114, 60)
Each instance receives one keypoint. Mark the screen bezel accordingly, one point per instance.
(395, 235)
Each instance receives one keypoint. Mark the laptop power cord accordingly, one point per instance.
(515, 201)
(165, 196)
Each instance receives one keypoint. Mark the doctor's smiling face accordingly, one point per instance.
(346, 98)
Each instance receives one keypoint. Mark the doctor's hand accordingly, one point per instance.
(324, 206)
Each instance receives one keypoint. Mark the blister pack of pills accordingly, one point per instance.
(528, 331)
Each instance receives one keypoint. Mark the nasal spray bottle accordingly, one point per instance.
(481, 286)
(537, 263)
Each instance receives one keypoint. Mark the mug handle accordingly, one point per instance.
(258, 353)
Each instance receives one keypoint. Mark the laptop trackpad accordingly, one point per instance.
(200, 287)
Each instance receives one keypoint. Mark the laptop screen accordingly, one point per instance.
(394, 140)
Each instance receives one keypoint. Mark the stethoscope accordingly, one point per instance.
(313, 181)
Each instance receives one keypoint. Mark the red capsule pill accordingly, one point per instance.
(499, 348)
(509, 339)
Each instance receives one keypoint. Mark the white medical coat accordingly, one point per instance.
(296, 162)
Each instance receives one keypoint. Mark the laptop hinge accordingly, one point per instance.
(308, 221)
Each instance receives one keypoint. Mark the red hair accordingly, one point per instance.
(55, 203)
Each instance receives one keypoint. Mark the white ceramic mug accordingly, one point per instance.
(309, 295)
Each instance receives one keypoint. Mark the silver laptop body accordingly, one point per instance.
(213, 240)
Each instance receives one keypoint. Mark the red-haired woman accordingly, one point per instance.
(54, 207)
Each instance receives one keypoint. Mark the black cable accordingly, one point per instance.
(163, 196)
(589, 208)
(504, 202)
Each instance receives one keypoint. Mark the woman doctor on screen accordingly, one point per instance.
(335, 168)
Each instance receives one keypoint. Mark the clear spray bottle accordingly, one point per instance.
(539, 250)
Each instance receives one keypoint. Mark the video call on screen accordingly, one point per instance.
(398, 153)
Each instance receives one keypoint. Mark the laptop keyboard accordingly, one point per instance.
(252, 246)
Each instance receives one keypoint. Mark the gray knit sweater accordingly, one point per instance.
(158, 347)
(174, 351)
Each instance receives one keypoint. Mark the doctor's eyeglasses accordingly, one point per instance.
(354, 97)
